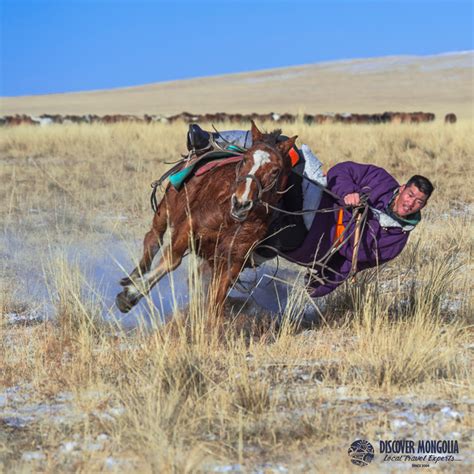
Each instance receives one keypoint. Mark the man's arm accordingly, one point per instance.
(348, 180)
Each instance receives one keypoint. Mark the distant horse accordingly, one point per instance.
(450, 118)
(221, 213)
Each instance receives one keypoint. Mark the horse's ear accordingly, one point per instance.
(256, 133)
(287, 145)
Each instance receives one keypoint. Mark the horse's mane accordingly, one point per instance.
(272, 137)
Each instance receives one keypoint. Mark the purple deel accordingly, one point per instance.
(378, 244)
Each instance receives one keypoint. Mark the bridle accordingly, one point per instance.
(260, 189)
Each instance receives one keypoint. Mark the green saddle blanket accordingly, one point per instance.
(177, 179)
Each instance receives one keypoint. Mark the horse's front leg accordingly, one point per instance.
(151, 244)
(222, 281)
(137, 289)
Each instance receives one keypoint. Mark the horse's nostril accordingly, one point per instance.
(241, 206)
(235, 202)
(240, 210)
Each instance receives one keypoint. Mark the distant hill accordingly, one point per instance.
(442, 83)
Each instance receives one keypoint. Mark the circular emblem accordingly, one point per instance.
(361, 452)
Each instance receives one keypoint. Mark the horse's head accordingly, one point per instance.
(263, 170)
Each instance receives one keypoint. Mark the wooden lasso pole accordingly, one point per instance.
(355, 251)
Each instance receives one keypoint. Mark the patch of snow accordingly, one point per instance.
(399, 424)
(272, 77)
(25, 318)
(409, 416)
(94, 447)
(64, 397)
(69, 446)
(113, 463)
(268, 468)
(229, 468)
(32, 456)
(452, 305)
(401, 63)
(17, 421)
(117, 411)
(110, 462)
(450, 413)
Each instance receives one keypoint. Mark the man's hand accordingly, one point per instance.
(352, 199)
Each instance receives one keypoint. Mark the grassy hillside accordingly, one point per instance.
(439, 84)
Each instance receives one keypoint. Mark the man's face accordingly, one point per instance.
(409, 200)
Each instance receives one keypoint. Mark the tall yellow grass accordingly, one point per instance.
(191, 396)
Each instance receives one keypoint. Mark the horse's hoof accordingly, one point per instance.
(125, 281)
(124, 303)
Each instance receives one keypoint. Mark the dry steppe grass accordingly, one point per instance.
(391, 357)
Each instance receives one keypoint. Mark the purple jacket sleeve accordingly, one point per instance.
(349, 177)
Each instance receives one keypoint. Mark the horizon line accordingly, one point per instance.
(191, 78)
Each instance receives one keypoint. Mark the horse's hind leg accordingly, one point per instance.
(170, 259)
(151, 244)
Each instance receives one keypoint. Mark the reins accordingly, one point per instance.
(358, 218)
(317, 269)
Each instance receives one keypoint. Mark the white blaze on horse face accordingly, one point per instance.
(260, 157)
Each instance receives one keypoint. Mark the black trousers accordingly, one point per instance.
(287, 231)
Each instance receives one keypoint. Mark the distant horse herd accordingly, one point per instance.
(186, 117)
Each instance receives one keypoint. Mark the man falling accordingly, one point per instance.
(320, 239)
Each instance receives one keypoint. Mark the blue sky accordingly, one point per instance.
(74, 45)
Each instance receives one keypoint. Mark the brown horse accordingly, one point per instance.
(220, 214)
(450, 118)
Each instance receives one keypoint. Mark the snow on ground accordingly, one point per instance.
(103, 263)
(410, 417)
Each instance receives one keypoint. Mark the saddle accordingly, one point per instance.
(198, 166)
